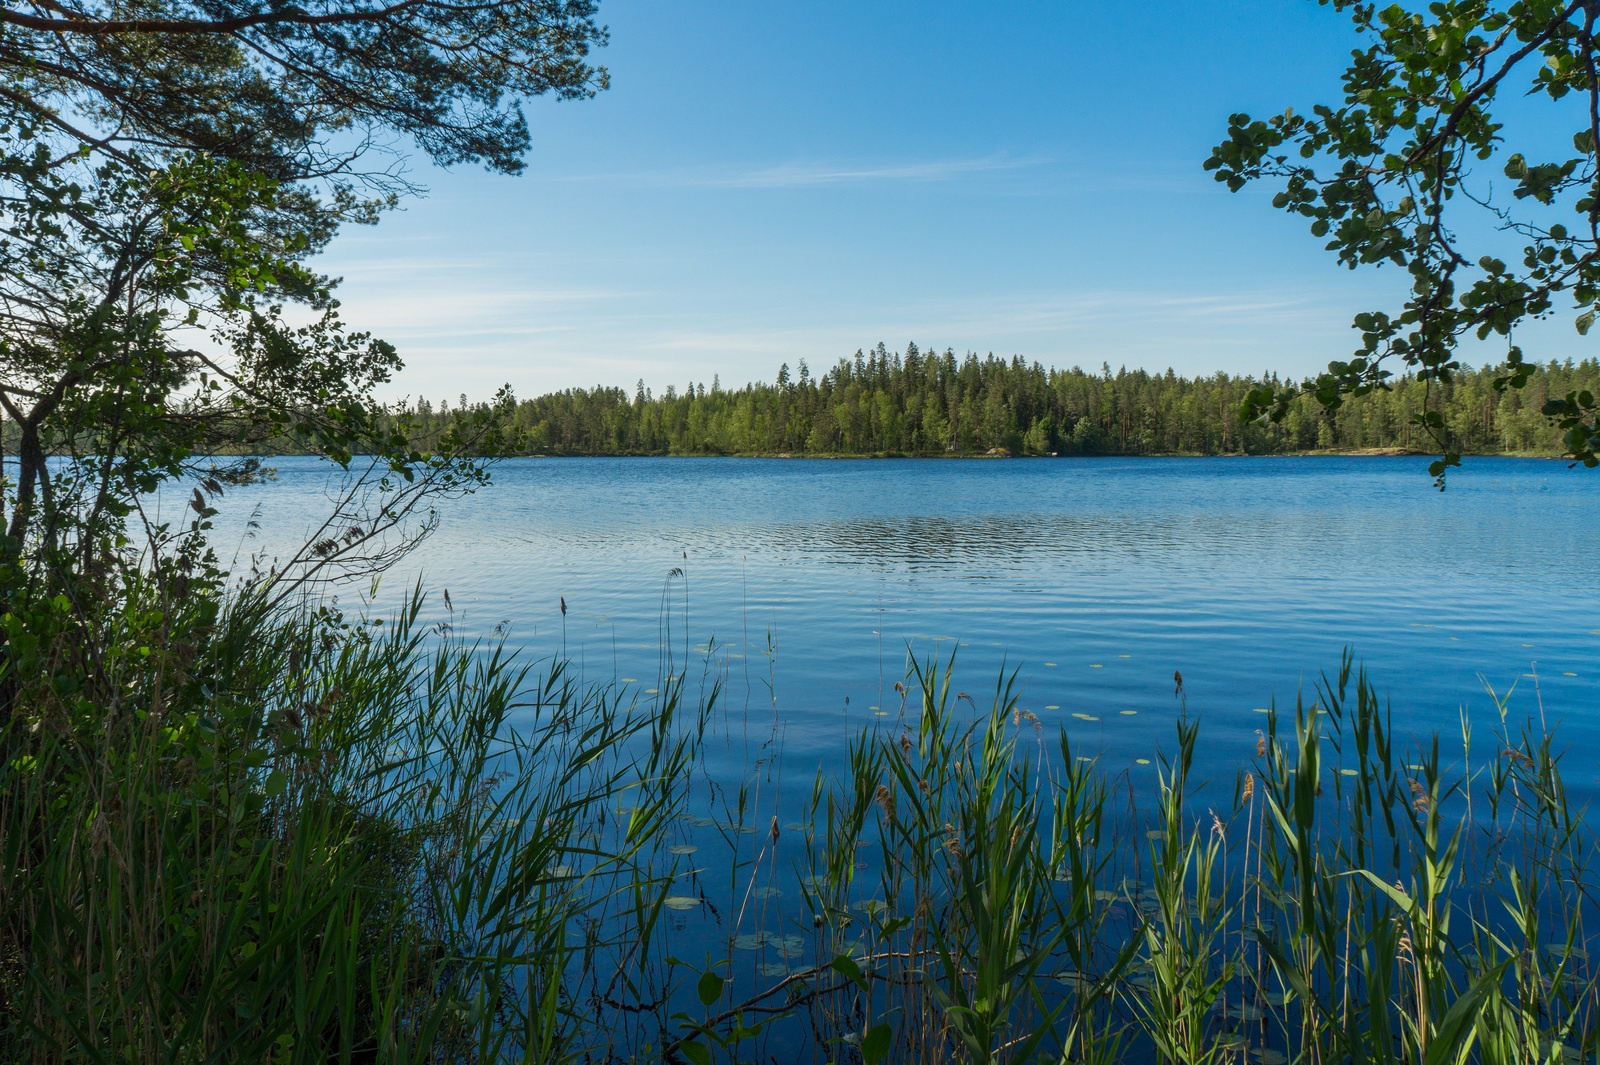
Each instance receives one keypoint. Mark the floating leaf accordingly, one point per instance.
(683, 848)
(1071, 977)
(1127, 713)
(753, 941)
(1142, 761)
(681, 902)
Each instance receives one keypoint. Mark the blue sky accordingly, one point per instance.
(768, 182)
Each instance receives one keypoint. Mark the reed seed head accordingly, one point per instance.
(885, 799)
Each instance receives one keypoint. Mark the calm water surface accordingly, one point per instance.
(809, 582)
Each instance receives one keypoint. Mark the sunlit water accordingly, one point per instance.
(805, 585)
(810, 581)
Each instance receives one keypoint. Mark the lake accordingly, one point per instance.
(808, 582)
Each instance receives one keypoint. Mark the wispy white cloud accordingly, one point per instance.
(799, 174)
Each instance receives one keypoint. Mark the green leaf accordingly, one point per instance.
(275, 783)
(846, 966)
(695, 1052)
(710, 987)
(875, 1047)
(1458, 1030)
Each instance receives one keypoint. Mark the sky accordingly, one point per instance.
(765, 183)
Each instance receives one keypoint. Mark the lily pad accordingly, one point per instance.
(753, 941)
(766, 893)
(1085, 717)
(773, 969)
(683, 848)
(1127, 713)
(681, 902)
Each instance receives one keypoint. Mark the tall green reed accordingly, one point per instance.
(292, 838)
(1355, 899)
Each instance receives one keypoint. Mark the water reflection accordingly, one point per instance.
(1251, 576)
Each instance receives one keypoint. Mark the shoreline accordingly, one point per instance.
(1371, 452)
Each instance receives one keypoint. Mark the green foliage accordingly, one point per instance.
(1407, 169)
(1356, 901)
(301, 91)
(916, 403)
(247, 837)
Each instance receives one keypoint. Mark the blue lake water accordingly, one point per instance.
(808, 582)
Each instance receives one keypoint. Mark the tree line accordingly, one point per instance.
(915, 402)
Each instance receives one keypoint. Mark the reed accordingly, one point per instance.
(297, 838)
(242, 834)
(1353, 900)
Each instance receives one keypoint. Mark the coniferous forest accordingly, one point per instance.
(882, 402)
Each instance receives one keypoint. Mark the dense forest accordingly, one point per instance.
(927, 403)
